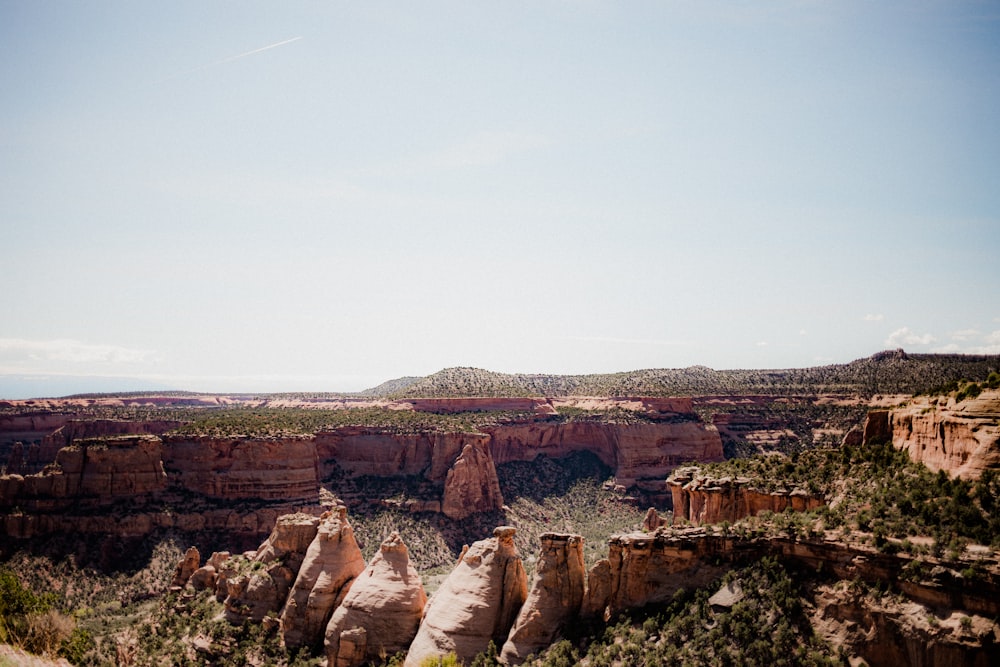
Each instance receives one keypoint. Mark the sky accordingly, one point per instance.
(320, 196)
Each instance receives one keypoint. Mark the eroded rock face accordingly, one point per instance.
(890, 631)
(472, 485)
(256, 586)
(554, 601)
(644, 569)
(636, 451)
(700, 499)
(385, 603)
(477, 603)
(963, 439)
(186, 567)
(330, 566)
(283, 468)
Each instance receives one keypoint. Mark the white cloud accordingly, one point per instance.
(904, 336)
(874, 318)
(965, 334)
(23, 352)
(762, 343)
(974, 342)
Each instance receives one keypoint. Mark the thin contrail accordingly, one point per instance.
(230, 59)
(250, 53)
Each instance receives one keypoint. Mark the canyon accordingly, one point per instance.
(69, 472)
(133, 477)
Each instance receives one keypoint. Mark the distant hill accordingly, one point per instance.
(390, 387)
(889, 372)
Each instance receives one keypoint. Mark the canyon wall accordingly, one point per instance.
(169, 479)
(960, 438)
(636, 452)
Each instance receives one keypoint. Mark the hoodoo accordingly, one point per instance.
(476, 604)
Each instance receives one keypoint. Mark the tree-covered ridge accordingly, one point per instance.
(879, 491)
(260, 422)
(883, 373)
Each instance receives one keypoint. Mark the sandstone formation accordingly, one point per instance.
(635, 451)
(472, 484)
(554, 601)
(179, 481)
(242, 468)
(699, 499)
(652, 520)
(186, 567)
(477, 603)
(643, 569)
(260, 585)
(90, 473)
(332, 562)
(963, 439)
(381, 613)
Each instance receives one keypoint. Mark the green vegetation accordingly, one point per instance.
(271, 422)
(890, 372)
(33, 622)
(768, 626)
(878, 490)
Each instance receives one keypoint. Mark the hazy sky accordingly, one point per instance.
(324, 195)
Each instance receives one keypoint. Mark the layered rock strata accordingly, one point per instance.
(381, 612)
(962, 439)
(476, 604)
(554, 601)
(700, 499)
(331, 563)
(179, 481)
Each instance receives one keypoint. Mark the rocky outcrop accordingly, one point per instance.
(554, 601)
(962, 439)
(186, 567)
(472, 485)
(889, 631)
(644, 569)
(260, 585)
(331, 563)
(381, 613)
(476, 604)
(700, 499)
(90, 473)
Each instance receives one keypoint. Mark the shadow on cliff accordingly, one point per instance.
(545, 477)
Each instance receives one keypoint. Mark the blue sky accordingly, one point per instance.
(224, 196)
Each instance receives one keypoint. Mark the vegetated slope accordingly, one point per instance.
(390, 387)
(766, 625)
(886, 373)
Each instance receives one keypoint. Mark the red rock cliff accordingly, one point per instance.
(963, 439)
